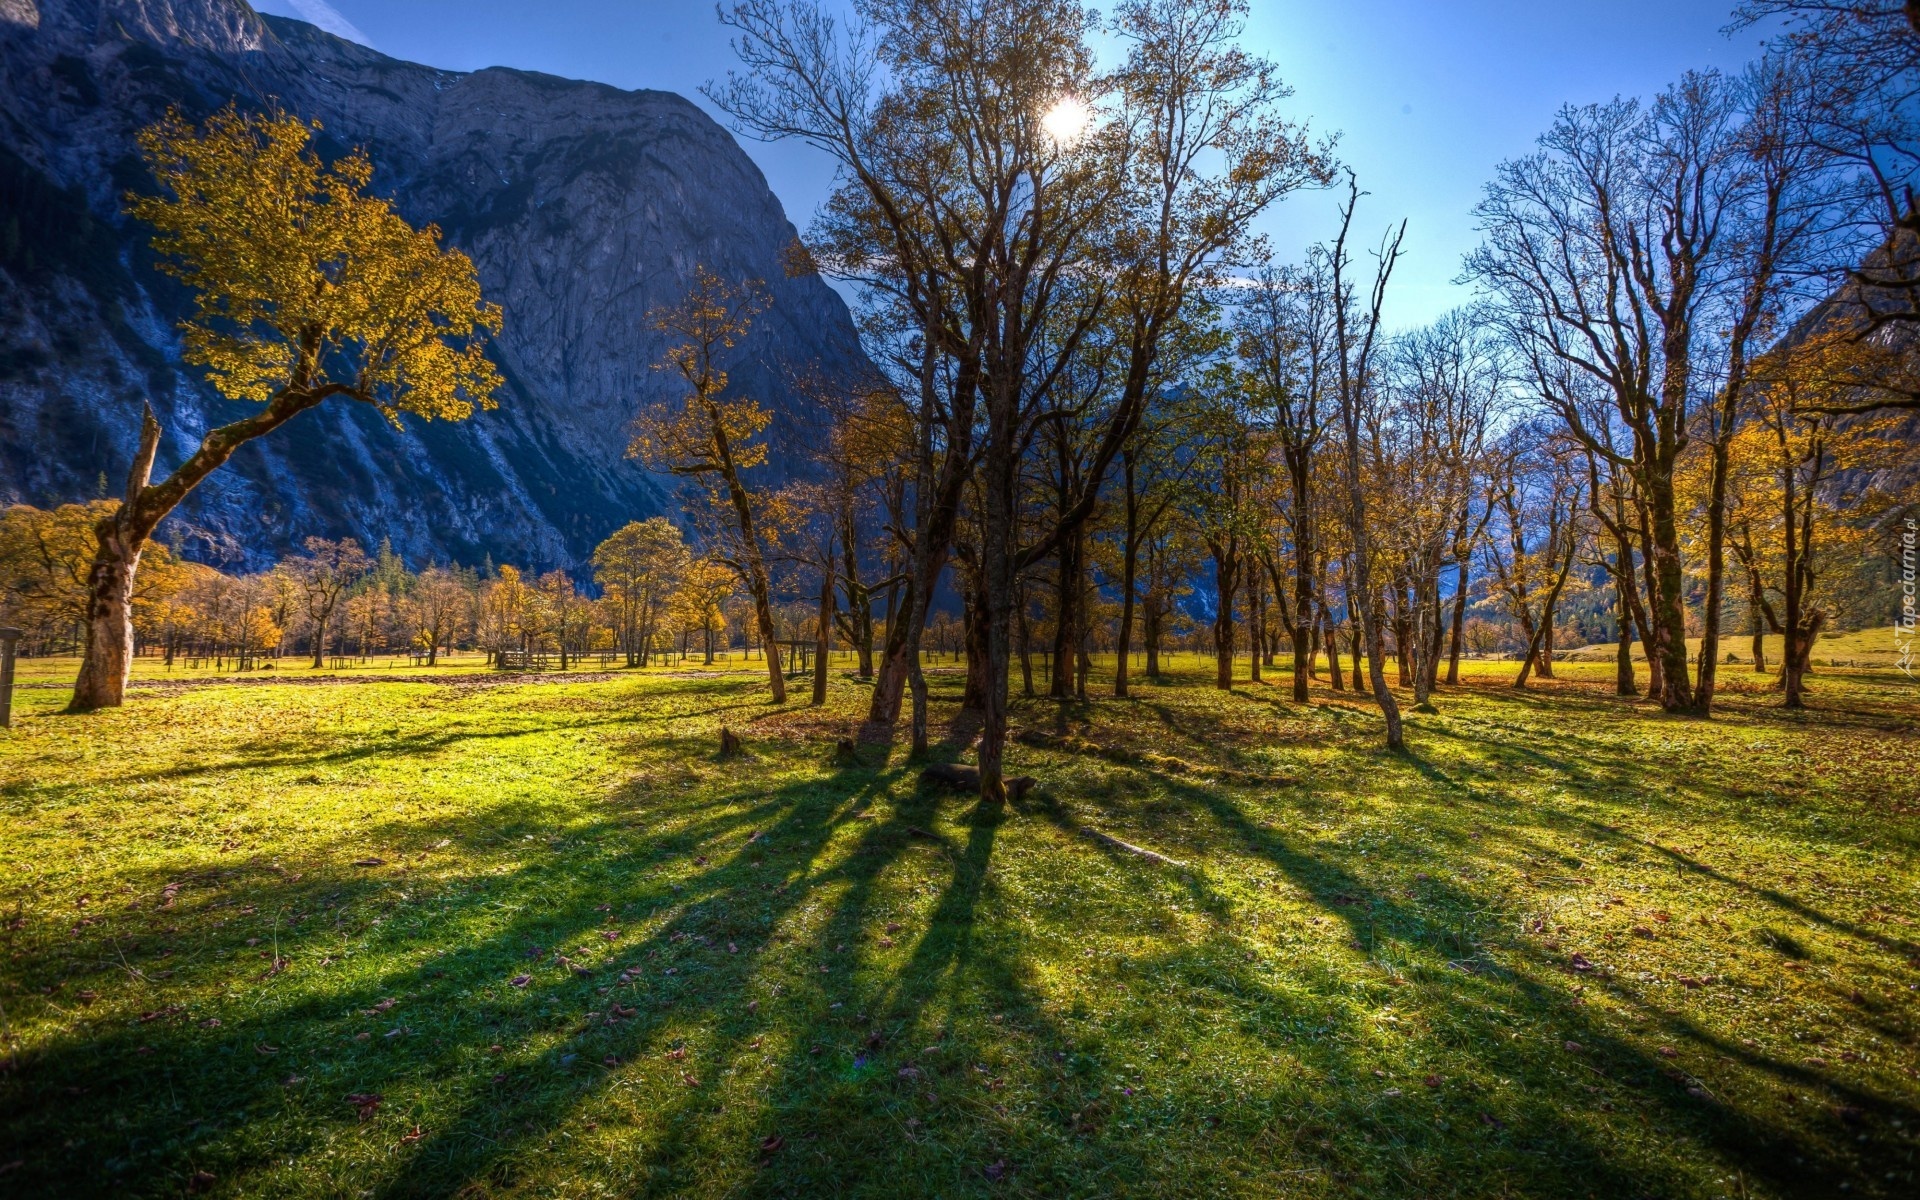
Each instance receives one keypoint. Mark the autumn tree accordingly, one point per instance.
(1012, 200)
(438, 603)
(320, 578)
(640, 568)
(711, 437)
(700, 600)
(45, 556)
(305, 288)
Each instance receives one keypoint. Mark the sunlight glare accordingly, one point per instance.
(1067, 120)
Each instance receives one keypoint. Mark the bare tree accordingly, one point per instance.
(1356, 334)
(327, 571)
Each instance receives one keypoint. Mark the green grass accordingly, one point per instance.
(1565, 947)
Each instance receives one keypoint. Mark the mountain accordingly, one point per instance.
(583, 207)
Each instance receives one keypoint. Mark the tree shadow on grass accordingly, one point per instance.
(115, 1074)
(1480, 999)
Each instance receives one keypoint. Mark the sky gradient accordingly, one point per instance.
(1427, 97)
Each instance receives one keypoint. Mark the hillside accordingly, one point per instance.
(583, 206)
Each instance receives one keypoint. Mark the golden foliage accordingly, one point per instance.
(44, 559)
(304, 282)
(704, 432)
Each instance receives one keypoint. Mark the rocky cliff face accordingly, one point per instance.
(583, 207)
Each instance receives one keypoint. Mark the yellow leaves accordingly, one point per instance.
(706, 431)
(304, 283)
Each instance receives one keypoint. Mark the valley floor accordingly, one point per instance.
(494, 937)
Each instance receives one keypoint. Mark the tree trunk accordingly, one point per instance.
(998, 568)
(1669, 613)
(1124, 645)
(107, 657)
(1459, 623)
(823, 637)
(973, 632)
(1150, 634)
(1067, 619)
(1623, 682)
(1256, 625)
(1330, 639)
(769, 636)
(1225, 570)
(1026, 645)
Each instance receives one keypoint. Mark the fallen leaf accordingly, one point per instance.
(369, 862)
(772, 1143)
(201, 1181)
(520, 981)
(86, 997)
(366, 1103)
(1669, 1052)
(263, 1048)
(1432, 1081)
(1573, 1048)
(1579, 962)
(998, 1171)
(413, 1136)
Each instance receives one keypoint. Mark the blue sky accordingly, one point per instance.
(1427, 96)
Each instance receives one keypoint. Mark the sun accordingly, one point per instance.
(1067, 120)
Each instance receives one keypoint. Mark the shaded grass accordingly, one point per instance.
(1565, 946)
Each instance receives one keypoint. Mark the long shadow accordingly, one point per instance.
(297, 1023)
(1786, 1155)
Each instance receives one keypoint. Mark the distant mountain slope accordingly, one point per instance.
(583, 206)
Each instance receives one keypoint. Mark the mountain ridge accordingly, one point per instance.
(584, 206)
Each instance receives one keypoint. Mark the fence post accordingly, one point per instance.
(7, 639)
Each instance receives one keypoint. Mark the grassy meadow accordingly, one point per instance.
(474, 936)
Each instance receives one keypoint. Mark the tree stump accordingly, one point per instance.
(844, 753)
(730, 746)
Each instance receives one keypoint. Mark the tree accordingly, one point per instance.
(710, 437)
(1356, 336)
(44, 559)
(1010, 218)
(438, 602)
(1863, 68)
(640, 568)
(305, 288)
(1539, 496)
(567, 613)
(1285, 327)
(701, 599)
(328, 571)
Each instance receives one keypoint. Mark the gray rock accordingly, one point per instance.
(582, 205)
